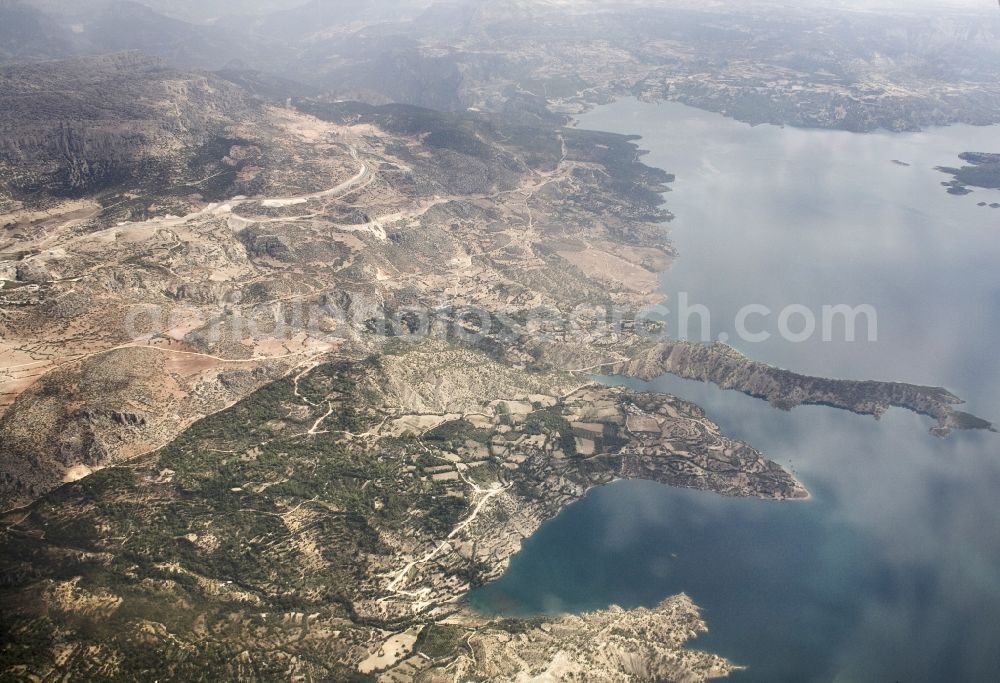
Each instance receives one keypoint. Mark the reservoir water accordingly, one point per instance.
(891, 572)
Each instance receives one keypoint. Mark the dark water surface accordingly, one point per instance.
(892, 571)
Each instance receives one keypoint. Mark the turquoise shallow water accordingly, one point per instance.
(892, 570)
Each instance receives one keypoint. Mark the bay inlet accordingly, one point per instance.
(892, 570)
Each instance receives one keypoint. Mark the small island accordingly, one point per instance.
(983, 171)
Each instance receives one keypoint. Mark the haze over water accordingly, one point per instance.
(892, 570)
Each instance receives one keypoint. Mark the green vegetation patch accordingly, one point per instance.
(455, 432)
(550, 421)
(440, 640)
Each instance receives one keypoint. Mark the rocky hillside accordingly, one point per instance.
(327, 526)
(78, 127)
(27, 33)
(309, 372)
(808, 65)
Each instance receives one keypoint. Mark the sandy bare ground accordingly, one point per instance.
(40, 222)
(21, 365)
(612, 269)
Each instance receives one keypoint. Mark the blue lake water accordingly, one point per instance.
(892, 570)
